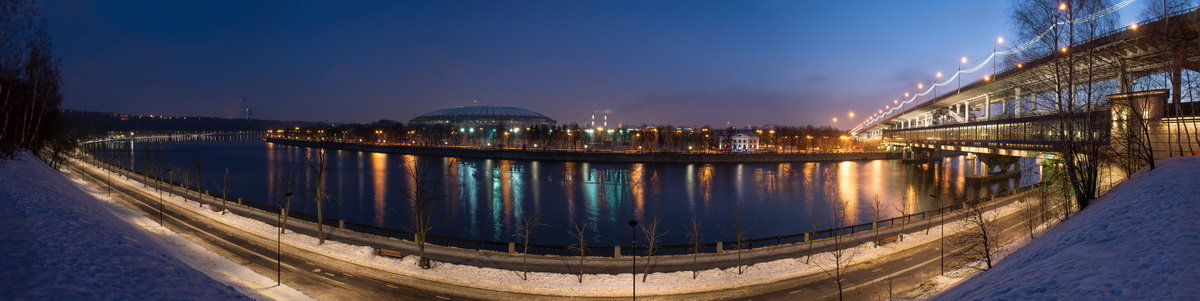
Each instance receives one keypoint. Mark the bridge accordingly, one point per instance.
(1014, 113)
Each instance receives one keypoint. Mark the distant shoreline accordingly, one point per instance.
(582, 156)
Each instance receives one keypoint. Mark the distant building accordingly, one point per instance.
(483, 116)
(738, 141)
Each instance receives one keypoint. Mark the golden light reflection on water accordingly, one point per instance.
(379, 185)
(637, 189)
(569, 170)
(706, 186)
(847, 183)
(271, 171)
(504, 184)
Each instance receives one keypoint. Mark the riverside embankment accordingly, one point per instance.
(591, 156)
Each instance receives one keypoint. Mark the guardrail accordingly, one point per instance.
(558, 250)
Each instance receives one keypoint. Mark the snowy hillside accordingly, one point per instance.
(59, 243)
(1139, 241)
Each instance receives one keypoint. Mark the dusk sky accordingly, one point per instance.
(658, 62)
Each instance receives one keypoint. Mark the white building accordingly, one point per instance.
(738, 141)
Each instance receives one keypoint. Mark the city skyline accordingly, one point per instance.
(703, 63)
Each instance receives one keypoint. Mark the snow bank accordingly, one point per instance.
(61, 244)
(594, 285)
(1138, 241)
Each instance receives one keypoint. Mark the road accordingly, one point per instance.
(873, 280)
(320, 280)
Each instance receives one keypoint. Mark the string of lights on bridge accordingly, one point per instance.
(897, 104)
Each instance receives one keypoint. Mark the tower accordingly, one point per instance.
(246, 111)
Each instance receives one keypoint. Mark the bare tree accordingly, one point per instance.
(198, 163)
(317, 163)
(524, 232)
(1029, 212)
(1131, 146)
(982, 235)
(876, 212)
(225, 192)
(739, 237)
(905, 212)
(812, 221)
(842, 254)
(694, 236)
(425, 197)
(1070, 85)
(580, 235)
(653, 239)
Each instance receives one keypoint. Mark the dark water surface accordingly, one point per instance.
(485, 199)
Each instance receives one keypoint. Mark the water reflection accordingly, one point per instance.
(379, 185)
(485, 199)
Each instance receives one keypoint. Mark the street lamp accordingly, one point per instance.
(279, 242)
(938, 75)
(633, 235)
(942, 240)
(961, 62)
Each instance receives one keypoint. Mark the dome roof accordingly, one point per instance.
(482, 114)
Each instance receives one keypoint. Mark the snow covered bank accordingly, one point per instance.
(1138, 241)
(59, 243)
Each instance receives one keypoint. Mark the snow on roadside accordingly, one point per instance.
(196, 256)
(1138, 241)
(594, 285)
(60, 244)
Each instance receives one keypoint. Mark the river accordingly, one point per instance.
(486, 199)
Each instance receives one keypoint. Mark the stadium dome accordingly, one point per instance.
(483, 115)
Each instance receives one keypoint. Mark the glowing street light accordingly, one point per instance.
(1133, 26)
(1062, 6)
(835, 120)
(851, 114)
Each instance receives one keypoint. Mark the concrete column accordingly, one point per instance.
(987, 107)
(1017, 99)
(512, 247)
(616, 251)
(720, 247)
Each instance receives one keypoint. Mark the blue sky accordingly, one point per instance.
(680, 62)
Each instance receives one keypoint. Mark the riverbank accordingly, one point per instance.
(593, 156)
(346, 251)
(1137, 241)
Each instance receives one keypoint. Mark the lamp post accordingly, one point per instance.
(279, 242)
(942, 240)
(633, 235)
(160, 198)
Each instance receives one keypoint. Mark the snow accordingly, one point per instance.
(1138, 241)
(59, 243)
(212, 264)
(555, 284)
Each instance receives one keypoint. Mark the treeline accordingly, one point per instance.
(29, 85)
(571, 136)
(99, 123)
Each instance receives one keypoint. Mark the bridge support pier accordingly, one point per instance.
(990, 167)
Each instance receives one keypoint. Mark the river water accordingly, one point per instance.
(486, 199)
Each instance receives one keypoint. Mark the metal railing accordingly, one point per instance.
(558, 250)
